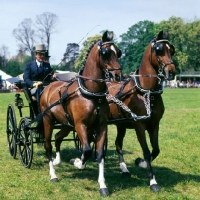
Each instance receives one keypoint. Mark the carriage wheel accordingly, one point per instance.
(25, 143)
(77, 142)
(11, 130)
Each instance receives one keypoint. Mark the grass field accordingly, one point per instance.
(177, 168)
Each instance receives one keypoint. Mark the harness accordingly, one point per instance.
(120, 104)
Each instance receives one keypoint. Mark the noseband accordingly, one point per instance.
(161, 70)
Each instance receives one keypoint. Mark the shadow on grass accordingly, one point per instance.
(166, 177)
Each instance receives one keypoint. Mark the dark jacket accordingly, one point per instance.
(33, 73)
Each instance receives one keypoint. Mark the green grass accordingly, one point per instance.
(176, 168)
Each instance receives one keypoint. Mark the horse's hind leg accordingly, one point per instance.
(48, 129)
(121, 131)
(58, 140)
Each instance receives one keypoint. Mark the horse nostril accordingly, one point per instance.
(171, 74)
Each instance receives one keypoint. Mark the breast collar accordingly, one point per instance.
(158, 90)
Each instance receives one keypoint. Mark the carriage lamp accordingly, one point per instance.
(19, 101)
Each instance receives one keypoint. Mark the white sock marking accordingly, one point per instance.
(123, 167)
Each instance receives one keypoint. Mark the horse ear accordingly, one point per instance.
(160, 35)
(111, 35)
(105, 37)
(165, 35)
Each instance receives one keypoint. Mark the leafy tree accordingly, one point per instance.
(79, 63)
(193, 45)
(133, 44)
(13, 68)
(70, 56)
(177, 33)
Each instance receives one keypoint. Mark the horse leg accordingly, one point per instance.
(48, 129)
(58, 140)
(153, 135)
(147, 159)
(100, 160)
(121, 131)
(87, 151)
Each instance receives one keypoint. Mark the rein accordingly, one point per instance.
(139, 87)
(92, 79)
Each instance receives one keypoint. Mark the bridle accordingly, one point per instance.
(103, 53)
(154, 47)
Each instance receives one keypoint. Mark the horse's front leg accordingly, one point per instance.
(121, 131)
(153, 135)
(87, 151)
(100, 160)
(48, 147)
(146, 162)
(65, 130)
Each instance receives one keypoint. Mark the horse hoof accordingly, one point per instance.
(126, 175)
(138, 161)
(54, 180)
(72, 161)
(154, 188)
(103, 192)
(141, 163)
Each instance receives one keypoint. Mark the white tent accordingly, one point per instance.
(5, 76)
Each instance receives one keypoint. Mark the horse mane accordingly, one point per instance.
(89, 51)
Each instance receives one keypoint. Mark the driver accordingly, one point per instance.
(36, 72)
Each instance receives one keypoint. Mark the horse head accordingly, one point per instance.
(109, 54)
(162, 52)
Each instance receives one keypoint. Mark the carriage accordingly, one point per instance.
(22, 137)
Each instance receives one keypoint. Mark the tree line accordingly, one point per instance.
(183, 34)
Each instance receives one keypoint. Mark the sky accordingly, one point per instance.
(80, 19)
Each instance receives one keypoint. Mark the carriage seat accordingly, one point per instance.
(65, 76)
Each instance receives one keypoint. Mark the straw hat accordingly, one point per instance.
(40, 48)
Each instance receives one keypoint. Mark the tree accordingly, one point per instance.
(133, 44)
(70, 56)
(3, 56)
(13, 68)
(25, 35)
(46, 24)
(79, 63)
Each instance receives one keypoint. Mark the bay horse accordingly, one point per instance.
(81, 105)
(141, 106)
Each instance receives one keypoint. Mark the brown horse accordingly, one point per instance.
(81, 105)
(141, 106)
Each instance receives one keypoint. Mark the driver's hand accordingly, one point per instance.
(54, 75)
(36, 84)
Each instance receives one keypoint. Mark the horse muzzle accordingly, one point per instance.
(170, 75)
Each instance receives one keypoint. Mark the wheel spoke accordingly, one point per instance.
(11, 129)
(26, 143)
